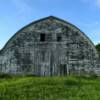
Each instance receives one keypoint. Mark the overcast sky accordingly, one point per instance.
(14, 14)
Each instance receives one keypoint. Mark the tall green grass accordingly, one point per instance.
(49, 88)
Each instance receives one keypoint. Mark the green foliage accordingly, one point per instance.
(98, 47)
(6, 76)
(49, 88)
(71, 81)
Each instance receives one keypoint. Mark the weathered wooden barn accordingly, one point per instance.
(48, 47)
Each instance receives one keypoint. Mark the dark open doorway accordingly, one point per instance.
(63, 69)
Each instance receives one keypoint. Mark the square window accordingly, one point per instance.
(59, 38)
(42, 37)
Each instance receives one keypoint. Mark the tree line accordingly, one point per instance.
(98, 47)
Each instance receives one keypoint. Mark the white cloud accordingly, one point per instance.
(92, 2)
(22, 7)
(97, 23)
(98, 3)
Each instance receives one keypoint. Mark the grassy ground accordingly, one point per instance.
(49, 88)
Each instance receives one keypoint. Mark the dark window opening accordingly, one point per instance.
(59, 38)
(42, 37)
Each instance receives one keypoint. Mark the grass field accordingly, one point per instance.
(49, 88)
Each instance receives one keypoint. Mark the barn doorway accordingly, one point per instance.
(63, 69)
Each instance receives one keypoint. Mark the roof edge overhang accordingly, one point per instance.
(42, 19)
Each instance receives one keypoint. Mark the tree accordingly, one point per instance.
(98, 47)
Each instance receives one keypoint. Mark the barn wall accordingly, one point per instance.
(27, 54)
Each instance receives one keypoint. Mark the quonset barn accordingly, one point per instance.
(48, 47)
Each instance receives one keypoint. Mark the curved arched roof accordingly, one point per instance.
(50, 17)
